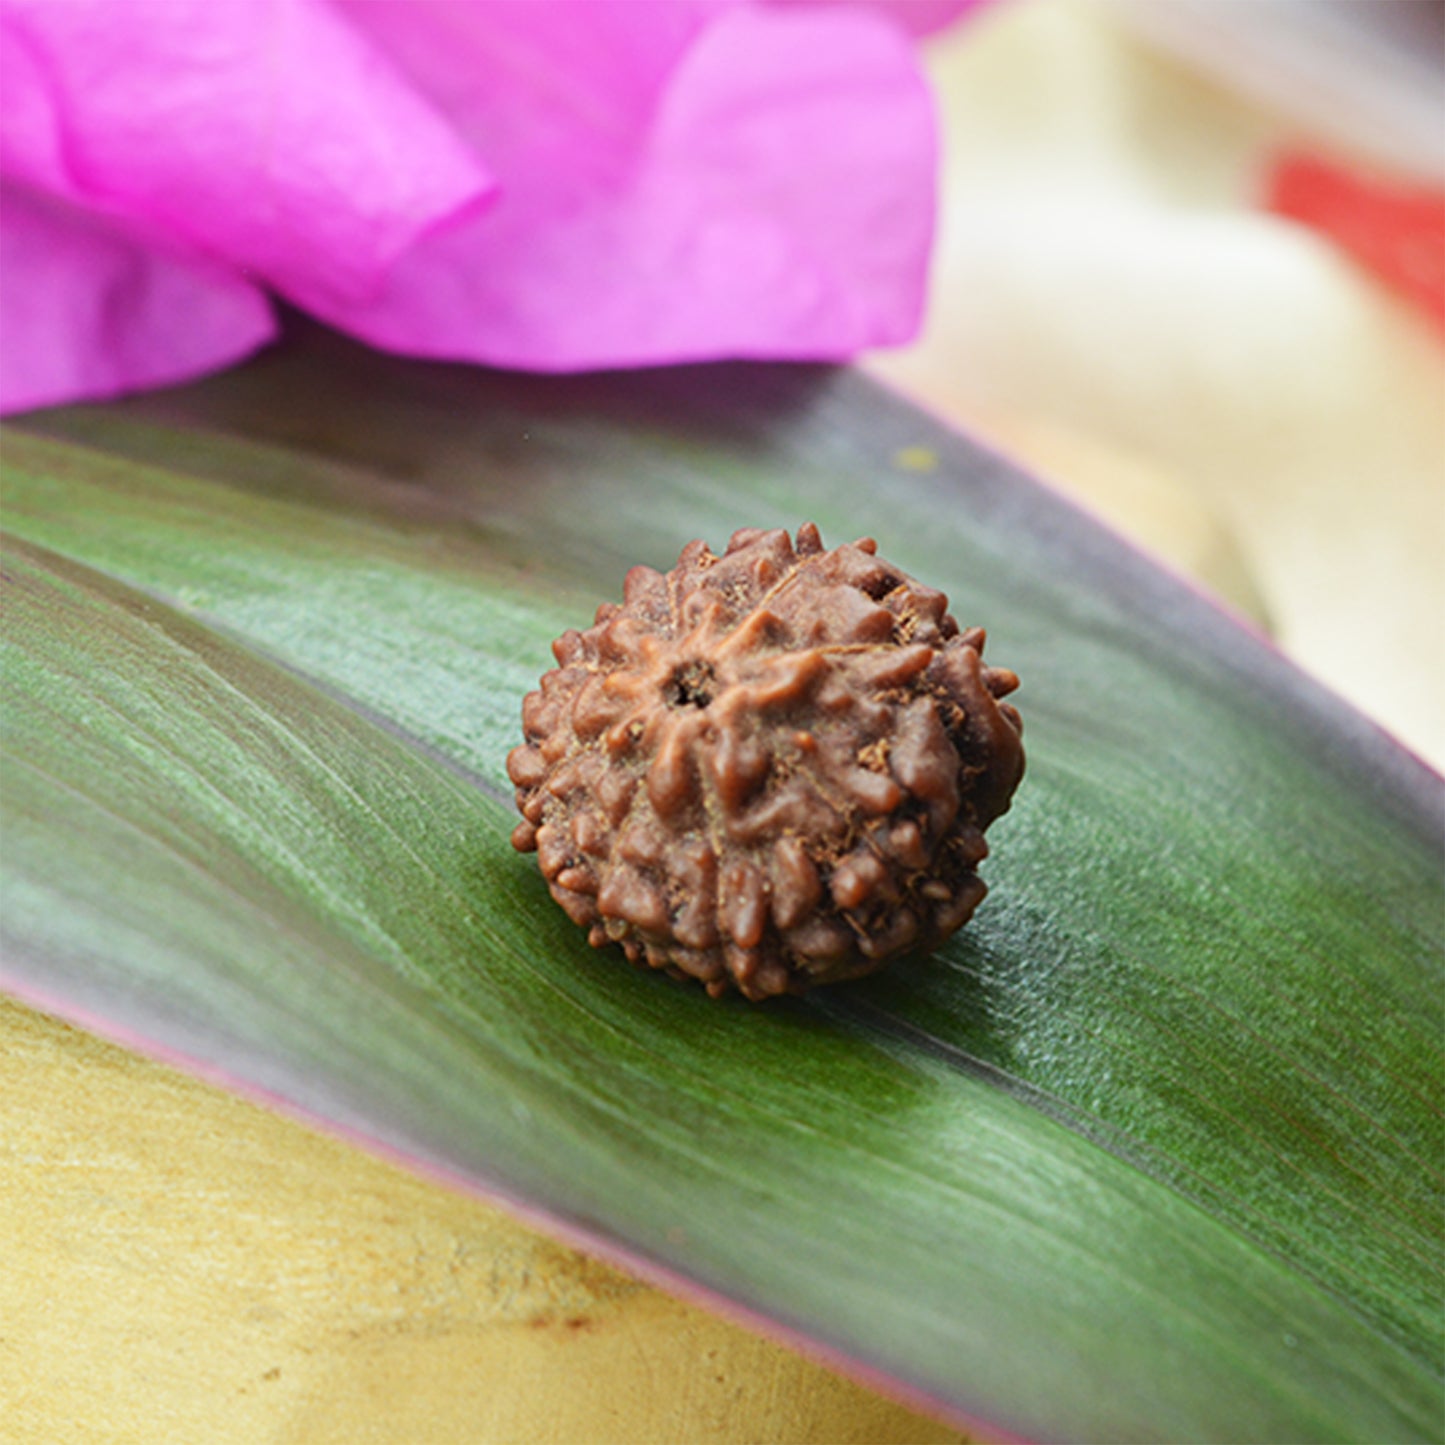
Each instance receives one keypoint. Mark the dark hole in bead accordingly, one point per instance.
(880, 586)
(690, 686)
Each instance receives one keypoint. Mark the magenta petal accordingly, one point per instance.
(679, 180)
(271, 136)
(917, 17)
(86, 313)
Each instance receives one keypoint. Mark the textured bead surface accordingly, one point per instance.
(769, 769)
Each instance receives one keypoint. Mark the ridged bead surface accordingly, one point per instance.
(769, 769)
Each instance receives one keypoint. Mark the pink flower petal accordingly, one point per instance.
(917, 17)
(679, 180)
(270, 135)
(85, 312)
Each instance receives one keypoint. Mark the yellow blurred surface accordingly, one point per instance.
(182, 1267)
(1112, 306)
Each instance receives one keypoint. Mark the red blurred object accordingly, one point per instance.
(1394, 229)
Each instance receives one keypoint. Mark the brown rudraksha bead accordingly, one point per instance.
(769, 769)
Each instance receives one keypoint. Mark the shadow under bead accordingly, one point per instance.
(768, 769)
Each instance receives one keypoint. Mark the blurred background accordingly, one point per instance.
(1189, 269)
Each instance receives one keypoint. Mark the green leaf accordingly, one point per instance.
(1152, 1149)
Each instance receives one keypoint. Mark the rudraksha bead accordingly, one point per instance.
(769, 769)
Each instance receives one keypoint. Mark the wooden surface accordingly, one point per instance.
(182, 1266)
